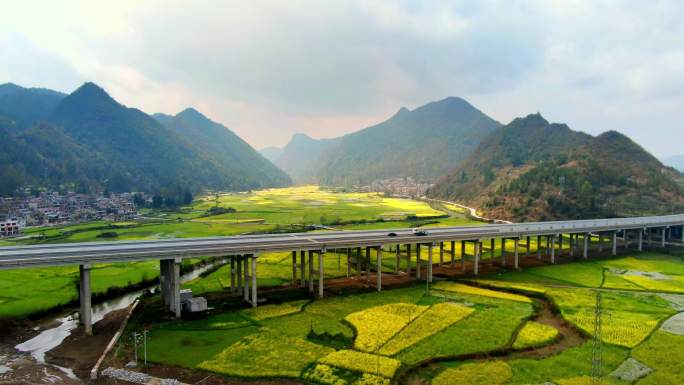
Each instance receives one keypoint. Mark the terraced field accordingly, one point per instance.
(455, 333)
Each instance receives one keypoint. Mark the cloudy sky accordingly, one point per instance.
(268, 69)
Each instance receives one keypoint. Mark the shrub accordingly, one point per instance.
(371, 379)
(324, 375)
(535, 334)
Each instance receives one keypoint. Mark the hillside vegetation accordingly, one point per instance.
(424, 144)
(88, 142)
(534, 170)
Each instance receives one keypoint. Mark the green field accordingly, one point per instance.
(286, 209)
(372, 337)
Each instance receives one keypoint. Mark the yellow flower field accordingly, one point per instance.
(480, 373)
(471, 290)
(362, 362)
(432, 321)
(377, 325)
(270, 311)
(535, 334)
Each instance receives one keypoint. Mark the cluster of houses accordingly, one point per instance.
(54, 208)
(404, 187)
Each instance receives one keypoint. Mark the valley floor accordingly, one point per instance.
(515, 327)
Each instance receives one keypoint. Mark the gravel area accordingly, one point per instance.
(675, 300)
(631, 370)
(127, 375)
(674, 324)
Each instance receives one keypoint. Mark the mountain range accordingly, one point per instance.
(424, 144)
(87, 141)
(531, 169)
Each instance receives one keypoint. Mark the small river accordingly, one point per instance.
(49, 339)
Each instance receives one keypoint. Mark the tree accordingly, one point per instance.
(187, 198)
(157, 201)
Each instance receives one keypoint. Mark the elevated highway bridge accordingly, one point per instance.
(243, 251)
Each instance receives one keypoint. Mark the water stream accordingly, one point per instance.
(48, 339)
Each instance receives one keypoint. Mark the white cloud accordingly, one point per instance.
(268, 69)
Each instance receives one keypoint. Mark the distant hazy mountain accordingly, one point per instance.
(424, 143)
(27, 105)
(271, 153)
(302, 155)
(533, 170)
(676, 161)
(90, 142)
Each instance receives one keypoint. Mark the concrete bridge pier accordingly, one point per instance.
(169, 279)
(614, 245)
(527, 246)
(368, 265)
(397, 262)
(453, 253)
(321, 274)
(662, 236)
(553, 249)
(429, 266)
(539, 256)
(587, 238)
(85, 310)
(503, 252)
(441, 253)
(349, 262)
(378, 268)
(560, 245)
(294, 268)
(515, 253)
(476, 263)
(640, 241)
(311, 271)
(408, 259)
(245, 278)
(463, 255)
(232, 274)
(418, 261)
(302, 268)
(358, 263)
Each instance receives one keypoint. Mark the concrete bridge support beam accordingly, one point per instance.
(321, 273)
(311, 271)
(585, 252)
(408, 260)
(453, 253)
(417, 261)
(539, 256)
(379, 269)
(398, 261)
(169, 279)
(527, 246)
(294, 268)
(560, 245)
(441, 253)
(245, 268)
(368, 265)
(463, 255)
(553, 249)
(85, 310)
(614, 245)
(476, 264)
(640, 244)
(349, 262)
(503, 251)
(302, 267)
(662, 237)
(253, 274)
(492, 246)
(358, 263)
(232, 274)
(238, 274)
(429, 266)
(515, 253)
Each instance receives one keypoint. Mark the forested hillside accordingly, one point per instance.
(534, 170)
